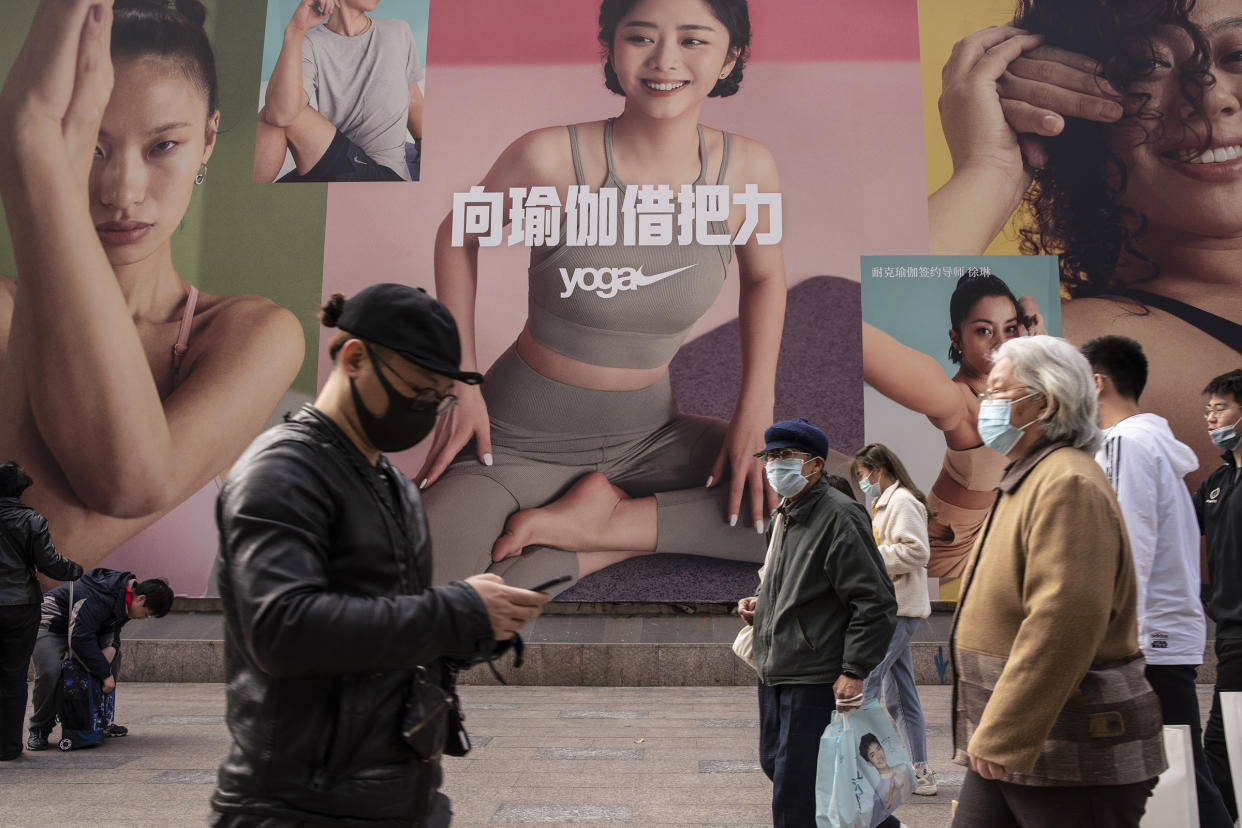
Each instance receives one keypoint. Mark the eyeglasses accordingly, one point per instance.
(1210, 410)
(421, 398)
(991, 393)
(782, 454)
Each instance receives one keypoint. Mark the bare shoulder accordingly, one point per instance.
(248, 325)
(750, 162)
(540, 157)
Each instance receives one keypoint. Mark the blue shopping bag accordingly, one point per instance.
(864, 772)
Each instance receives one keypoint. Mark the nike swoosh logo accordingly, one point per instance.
(643, 279)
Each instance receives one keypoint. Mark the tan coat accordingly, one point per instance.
(1049, 681)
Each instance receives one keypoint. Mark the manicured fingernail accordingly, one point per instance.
(487, 459)
(733, 520)
(1052, 123)
(711, 478)
(423, 485)
(759, 526)
(97, 14)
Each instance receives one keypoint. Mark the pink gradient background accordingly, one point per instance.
(846, 134)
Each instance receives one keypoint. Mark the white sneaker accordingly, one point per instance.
(926, 784)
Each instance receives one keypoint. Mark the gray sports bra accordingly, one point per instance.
(624, 306)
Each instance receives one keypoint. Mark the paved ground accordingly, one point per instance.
(680, 756)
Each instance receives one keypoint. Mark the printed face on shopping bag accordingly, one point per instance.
(875, 755)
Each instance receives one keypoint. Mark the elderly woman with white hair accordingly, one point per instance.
(1051, 709)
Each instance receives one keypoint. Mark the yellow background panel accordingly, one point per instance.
(941, 24)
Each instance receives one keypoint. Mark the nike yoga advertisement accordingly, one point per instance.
(574, 455)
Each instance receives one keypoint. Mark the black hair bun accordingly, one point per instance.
(331, 312)
(192, 10)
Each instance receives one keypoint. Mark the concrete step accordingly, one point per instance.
(574, 645)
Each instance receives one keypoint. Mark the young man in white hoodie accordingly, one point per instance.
(1146, 465)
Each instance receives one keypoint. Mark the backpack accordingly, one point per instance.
(83, 708)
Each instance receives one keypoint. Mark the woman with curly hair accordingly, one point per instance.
(1118, 125)
(574, 455)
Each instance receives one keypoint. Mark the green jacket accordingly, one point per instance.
(826, 605)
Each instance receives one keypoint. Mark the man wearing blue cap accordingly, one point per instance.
(823, 617)
(335, 642)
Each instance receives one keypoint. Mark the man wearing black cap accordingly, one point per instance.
(333, 639)
(823, 617)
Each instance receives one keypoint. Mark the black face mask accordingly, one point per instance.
(404, 424)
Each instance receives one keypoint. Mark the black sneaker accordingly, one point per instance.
(116, 730)
(38, 738)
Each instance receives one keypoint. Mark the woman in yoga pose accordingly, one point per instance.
(576, 455)
(123, 389)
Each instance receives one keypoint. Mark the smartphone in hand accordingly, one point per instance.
(546, 585)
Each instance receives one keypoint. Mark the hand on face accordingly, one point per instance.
(971, 114)
(1044, 86)
(311, 13)
(57, 90)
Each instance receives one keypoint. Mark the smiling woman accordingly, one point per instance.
(1134, 175)
(122, 389)
(575, 456)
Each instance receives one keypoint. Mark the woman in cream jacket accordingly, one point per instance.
(899, 521)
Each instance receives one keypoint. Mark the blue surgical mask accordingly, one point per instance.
(995, 429)
(1226, 437)
(869, 488)
(785, 476)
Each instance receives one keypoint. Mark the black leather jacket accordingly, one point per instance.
(322, 568)
(25, 546)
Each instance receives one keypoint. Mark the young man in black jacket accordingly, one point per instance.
(1219, 506)
(823, 618)
(331, 625)
(25, 546)
(104, 600)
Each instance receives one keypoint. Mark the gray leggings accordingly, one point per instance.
(545, 436)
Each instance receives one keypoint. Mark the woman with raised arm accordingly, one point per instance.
(122, 388)
(575, 451)
(1130, 117)
(983, 314)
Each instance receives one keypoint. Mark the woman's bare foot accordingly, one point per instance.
(591, 516)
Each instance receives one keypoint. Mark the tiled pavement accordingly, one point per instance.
(682, 756)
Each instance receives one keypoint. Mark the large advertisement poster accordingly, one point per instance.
(1105, 134)
(160, 307)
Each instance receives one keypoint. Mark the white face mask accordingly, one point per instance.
(994, 427)
(869, 487)
(785, 476)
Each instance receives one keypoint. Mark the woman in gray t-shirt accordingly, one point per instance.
(343, 96)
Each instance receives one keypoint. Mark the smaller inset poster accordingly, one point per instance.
(930, 325)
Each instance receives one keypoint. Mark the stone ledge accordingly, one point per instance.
(550, 664)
